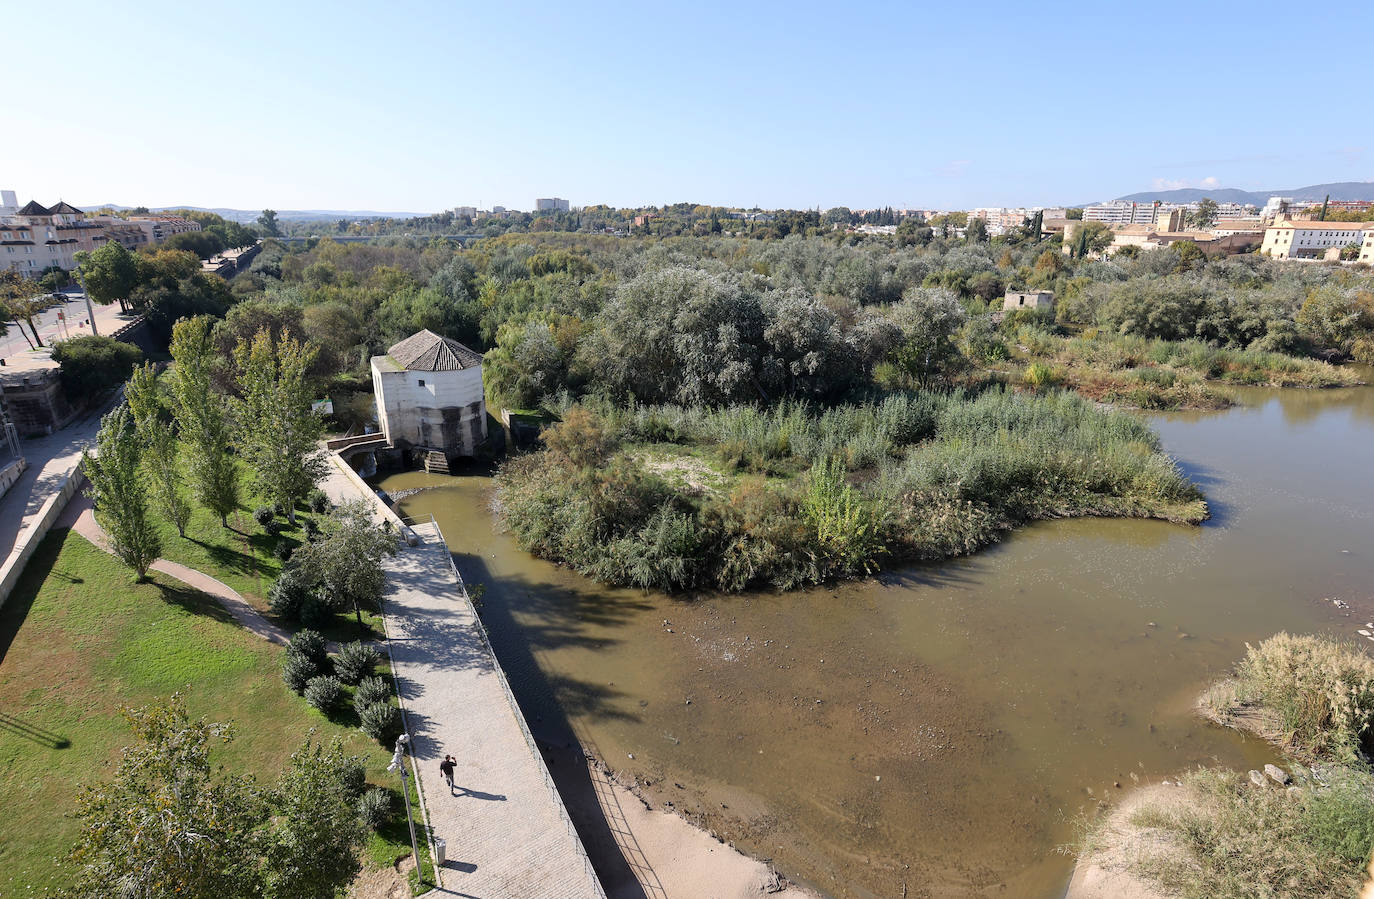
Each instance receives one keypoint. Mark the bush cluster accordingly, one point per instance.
(374, 807)
(377, 717)
(381, 721)
(356, 661)
(306, 659)
(324, 692)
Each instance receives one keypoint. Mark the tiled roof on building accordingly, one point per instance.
(32, 208)
(427, 351)
(65, 208)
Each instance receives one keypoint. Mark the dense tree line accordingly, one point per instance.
(720, 319)
(705, 321)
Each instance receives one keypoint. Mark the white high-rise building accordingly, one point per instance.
(551, 204)
(1120, 213)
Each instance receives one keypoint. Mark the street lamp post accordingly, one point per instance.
(398, 763)
(90, 312)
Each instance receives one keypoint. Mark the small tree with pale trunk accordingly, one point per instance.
(117, 489)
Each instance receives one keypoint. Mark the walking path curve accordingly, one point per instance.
(80, 517)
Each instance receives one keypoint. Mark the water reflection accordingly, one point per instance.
(942, 726)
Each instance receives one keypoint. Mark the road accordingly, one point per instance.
(53, 329)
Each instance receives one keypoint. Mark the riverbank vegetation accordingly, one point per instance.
(1216, 835)
(1312, 696)
(1156, 374)
(679, 497)
(1219, 833)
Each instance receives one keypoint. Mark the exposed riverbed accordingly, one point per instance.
(943, 726)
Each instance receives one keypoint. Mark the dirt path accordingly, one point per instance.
(80, 517)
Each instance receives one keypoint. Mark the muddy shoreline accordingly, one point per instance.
(669, 852)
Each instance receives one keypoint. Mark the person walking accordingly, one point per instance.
(446, 769)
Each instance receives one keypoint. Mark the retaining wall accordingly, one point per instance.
(11, 473)
(28, 541)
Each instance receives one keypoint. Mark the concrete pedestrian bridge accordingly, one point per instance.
(507, 831)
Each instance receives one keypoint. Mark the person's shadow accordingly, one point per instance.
(465, 793)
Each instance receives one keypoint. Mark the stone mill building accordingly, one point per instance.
(429, 398)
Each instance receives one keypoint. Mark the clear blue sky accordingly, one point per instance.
(423, 106)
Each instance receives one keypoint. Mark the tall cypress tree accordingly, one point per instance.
(160, 450)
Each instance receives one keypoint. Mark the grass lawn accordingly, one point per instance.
(241, 556)
(79, 641)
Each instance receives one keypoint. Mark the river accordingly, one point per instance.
(943, 729)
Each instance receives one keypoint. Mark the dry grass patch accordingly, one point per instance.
(1313, 696)
(1217, 836)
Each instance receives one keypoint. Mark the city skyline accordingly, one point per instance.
(432, 107)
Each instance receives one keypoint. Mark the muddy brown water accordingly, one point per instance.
(943, 728)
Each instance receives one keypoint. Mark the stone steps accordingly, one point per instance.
(436, 462)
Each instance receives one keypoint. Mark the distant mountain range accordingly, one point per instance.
(1340, 190)
(245, 216)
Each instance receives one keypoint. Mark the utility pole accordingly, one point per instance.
(398, 763)
(90, 312)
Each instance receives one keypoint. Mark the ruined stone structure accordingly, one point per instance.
(1041, 300)
(429, 398)
(34, 400)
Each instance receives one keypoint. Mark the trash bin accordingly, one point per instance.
(440, 851)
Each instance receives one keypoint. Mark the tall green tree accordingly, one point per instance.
(202, 418)
(315, 834)
(1205, 216)
(160, 448)
(168, 825)
(117, 488)
(928, 318)
(277, 430)
(110, 273)
(268, 222)
(21, 300)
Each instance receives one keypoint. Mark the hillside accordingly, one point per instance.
(246, 216)
(1339, 190)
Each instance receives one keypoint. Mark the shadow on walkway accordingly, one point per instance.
(539, 699)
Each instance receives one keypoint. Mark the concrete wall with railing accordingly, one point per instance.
(29, 540)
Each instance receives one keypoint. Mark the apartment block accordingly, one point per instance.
(1314, 240)
(35, 238)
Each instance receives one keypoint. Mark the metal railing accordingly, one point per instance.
(510, 698)
(339, 443)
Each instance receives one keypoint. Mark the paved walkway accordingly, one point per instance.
(507, 832)
(15, 346)
(50, 460)
(80, 517)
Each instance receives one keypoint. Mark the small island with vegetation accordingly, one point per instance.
(675, 498)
